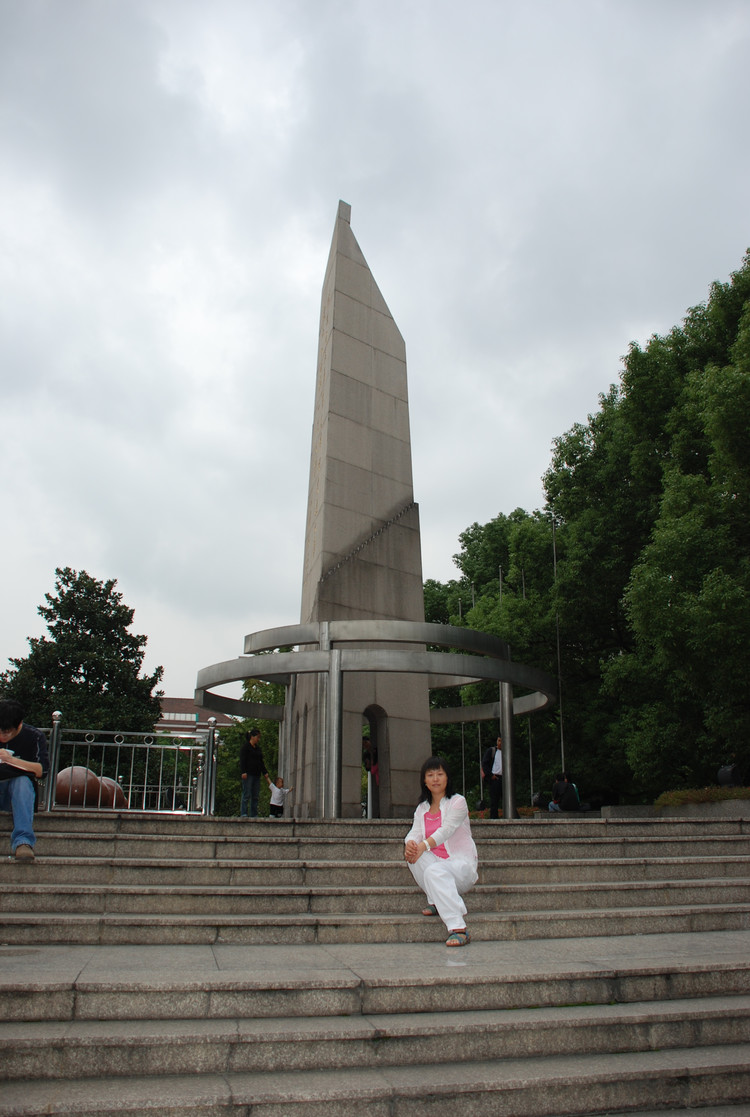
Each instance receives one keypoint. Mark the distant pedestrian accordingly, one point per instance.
(492, 770)
(252, 767)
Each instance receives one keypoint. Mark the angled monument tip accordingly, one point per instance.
(345, 211)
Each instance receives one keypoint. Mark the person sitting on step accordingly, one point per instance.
(440, 850)
(564, 795)
(20, 767)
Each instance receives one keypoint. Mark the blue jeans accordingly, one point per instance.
(17, 795)
(250, 793)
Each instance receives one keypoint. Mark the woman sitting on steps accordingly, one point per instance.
(440, 850)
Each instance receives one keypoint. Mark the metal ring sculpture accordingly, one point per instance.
(479, 657)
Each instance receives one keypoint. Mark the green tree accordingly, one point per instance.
(637, 492)
(507, 590)
(651, 591)
(89, 665)
(688, 599)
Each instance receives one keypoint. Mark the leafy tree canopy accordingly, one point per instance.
(89, 665)
(649, 595)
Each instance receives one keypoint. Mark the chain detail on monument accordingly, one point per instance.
(370, 539)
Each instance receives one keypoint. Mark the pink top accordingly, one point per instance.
(433, 822)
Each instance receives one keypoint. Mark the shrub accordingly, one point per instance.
(700, 795)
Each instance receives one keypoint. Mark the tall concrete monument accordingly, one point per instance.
(359, 663)
(362, 546)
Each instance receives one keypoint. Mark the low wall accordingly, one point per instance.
(726, 808)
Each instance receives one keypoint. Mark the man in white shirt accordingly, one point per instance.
(492, 768)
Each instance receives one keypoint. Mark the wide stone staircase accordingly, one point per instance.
(172, 964)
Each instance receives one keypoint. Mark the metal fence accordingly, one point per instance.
(96, 769)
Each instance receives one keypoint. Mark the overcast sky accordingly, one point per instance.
(534, 184)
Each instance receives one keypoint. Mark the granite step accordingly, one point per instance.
(364, 980)
(24, 897)
(331, 1020)
(168, 846)
(537, 828)
(90, 1049)
(542, 827)
(738, 1110)
(558, 1086)
(308, 872)
(145, 929)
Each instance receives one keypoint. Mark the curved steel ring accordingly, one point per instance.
(490, 661)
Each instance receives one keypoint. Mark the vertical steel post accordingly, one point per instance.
(559, 664)
(333, 751)
(531, 767)
(54, 760)
(481, 770)
(209, 776)
(321, 790)
(463, 760)
(285, 748)
(506, 715)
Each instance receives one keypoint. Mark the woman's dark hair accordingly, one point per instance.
(429, 766)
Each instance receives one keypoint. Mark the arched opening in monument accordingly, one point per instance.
(375, 760)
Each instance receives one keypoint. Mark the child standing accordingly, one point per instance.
(278, 797)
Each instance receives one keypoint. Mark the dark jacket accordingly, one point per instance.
(564, 794)
(251, 760)
(31, 745)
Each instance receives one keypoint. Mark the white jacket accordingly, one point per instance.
(454, 832)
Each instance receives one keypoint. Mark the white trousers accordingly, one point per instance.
(443, 881)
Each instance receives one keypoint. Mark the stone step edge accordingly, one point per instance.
(36, 931)
(8, 919)
(182, 820)
(224, 1045)
(368, 1026)
(217, 996)
(274, 831)
(550, 1087)
(727, 1110)
(273, 864)
(286, 890)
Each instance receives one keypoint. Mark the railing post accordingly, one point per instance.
(334, 732)
(322, 793)
(209, 779)
(285, 733)
(509, 776)
(54, 760)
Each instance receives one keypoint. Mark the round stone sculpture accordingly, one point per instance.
(77, 787)
(112, 794)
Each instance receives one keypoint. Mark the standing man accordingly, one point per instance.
(492, 768)
(252, 767)
(23, 761)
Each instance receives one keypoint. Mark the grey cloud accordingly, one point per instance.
(533, 185)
